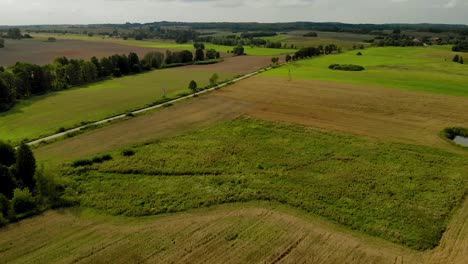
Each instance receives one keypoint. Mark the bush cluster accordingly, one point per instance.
(346, 67)
(452, 132)
(23, 189)
(89, 162)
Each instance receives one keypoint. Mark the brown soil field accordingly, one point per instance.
(225, 234)
(42, 52)
(379, 113)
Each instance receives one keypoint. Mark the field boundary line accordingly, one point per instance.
(146, 109)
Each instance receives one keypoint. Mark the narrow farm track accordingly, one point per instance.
(226, 234)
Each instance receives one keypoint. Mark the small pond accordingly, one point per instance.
(461, 140)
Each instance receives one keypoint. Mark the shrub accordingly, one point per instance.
(106, 157)
(23, 201)
(4, 205)
(128, 152)
(452, 132)
(82, 162)
(456, 58)
(359, 54)
(51, 39)
(346, 67)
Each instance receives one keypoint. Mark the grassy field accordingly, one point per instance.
(344, 41)
(362, 156)
(427, 69)
(403, 193)
(254, 51)
(43, 115)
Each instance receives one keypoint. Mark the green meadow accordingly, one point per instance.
(44, 115)
(428, 69)
(402, 193)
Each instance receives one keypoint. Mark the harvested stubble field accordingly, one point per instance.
(242, 233)
(40, 52)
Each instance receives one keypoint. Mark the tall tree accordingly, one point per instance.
(199, 55)
(238, 51)
(211, 54)
(193, 86)
(7, 182)
(7, 154)
(96, 63)
(25, 166)
(14, 33)
(133, 60)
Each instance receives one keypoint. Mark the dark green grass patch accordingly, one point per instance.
(403, 193)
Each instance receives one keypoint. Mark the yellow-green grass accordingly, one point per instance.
(161, 44)
(400, 192)
(44, 115)
(428, 69)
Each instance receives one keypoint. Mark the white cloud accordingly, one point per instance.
(120, 11)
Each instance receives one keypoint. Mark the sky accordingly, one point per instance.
(28, 12)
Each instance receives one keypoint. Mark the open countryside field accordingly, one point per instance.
(428, 69)
(253, 51)
(248, 160)
(44, 115)
(38, 51)
(361, 155)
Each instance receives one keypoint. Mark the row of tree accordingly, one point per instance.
(23, 80)
(460, 47)
(233, 40)
(316, 51)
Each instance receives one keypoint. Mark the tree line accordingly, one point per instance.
(460, 47)
(23, 80)
(314, 51)
(233, 40)
(24, 190)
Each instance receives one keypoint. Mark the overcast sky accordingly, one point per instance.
(24, 12)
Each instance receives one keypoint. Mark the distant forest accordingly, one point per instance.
(317, 26)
